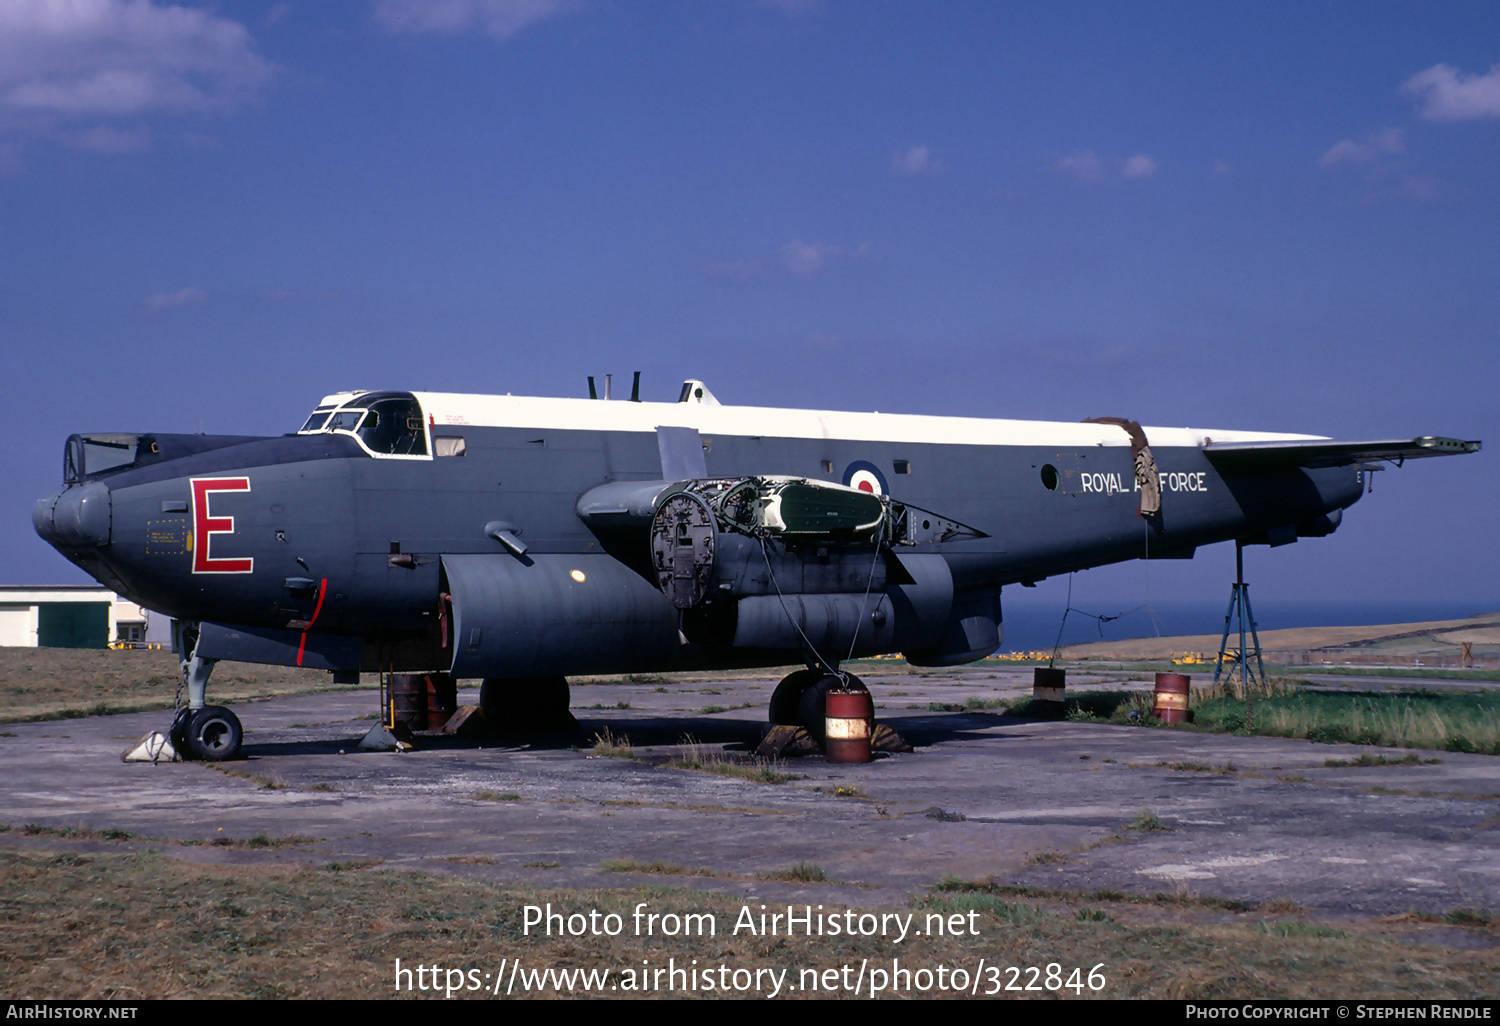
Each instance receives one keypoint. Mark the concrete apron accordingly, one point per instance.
(982, 798)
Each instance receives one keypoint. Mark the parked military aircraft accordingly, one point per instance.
(522, 540)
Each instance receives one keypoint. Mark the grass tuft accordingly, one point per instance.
(613, 746)
(802, 871)
(1146, 820)
(1381, 760)
(1469, 917)
(700, 759)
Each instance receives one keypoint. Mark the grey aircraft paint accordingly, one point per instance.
(498, 538)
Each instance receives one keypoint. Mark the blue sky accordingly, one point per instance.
(1278, 217)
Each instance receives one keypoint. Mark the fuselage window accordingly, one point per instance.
(448, 445)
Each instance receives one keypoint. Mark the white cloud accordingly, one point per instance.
(500, 19)
(107, 58)
(914, 160)
(806, 259)
(1139, 168)
(1382, 144)
(1081, 167)
(167, 300)
(1086, 168)
(1447, 94)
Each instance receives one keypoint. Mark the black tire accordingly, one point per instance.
(787, 697)
(177, 733)
(214, 734)
(812, 710)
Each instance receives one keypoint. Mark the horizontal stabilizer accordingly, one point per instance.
(1329, 453)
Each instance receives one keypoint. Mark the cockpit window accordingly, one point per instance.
(394, 426)
(89, 455)
(389, 423)
(345, 421)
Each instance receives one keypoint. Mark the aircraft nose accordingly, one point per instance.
(78, 516)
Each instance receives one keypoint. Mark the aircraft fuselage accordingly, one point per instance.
(315, 534)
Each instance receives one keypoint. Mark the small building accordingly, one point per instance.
(75, 616)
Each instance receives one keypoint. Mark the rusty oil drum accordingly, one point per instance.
(1171, 698)
(849, 721)
(409, 700)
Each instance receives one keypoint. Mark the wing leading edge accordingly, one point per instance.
(1329, 453)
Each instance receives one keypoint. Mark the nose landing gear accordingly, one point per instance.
(210, 733)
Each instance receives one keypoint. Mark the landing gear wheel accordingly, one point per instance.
(177, 733)
(788, 695)
(213, 734)
(812, 710)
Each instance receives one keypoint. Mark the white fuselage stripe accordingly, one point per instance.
(456, 410)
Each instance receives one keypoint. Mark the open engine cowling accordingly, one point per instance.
(792, 563)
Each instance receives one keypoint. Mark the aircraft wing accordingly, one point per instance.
(1330, 453)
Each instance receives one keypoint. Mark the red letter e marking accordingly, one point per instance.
(205, 526)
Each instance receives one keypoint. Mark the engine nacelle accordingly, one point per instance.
(549, 615)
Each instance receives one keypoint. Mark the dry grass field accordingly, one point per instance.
(47, 683)
(94, 924)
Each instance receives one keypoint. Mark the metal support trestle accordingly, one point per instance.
(1239, 608)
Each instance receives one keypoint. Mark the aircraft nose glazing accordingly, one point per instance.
(77, 516)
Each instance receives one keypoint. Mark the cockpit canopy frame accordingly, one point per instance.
(387, 425)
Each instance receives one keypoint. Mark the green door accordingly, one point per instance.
(73, 625)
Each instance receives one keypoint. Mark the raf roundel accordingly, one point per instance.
(865, 476)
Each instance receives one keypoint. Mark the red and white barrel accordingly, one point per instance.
(1171, 698)
(849, 722)
(1049, 684)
